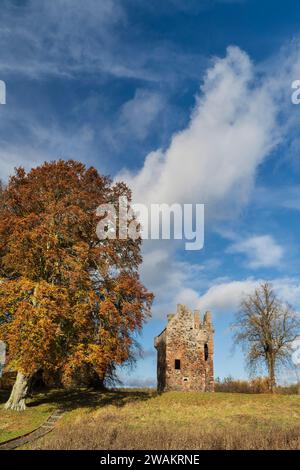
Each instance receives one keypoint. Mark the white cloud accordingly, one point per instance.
(166, 276)
(45, 41)
(70, 37)
(138, 114)
(214, 160)
(288, 289)
(137, 381)
(136, 118)
(221, 297)
(261, 251)
(225, 297)
(284, 196)
(187, 296)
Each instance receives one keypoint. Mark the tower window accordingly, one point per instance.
(205, 352)
(177, 364)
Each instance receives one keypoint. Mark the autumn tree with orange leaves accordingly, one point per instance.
(67, 299)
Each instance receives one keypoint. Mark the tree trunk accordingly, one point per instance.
(18, 394)
(272, 380)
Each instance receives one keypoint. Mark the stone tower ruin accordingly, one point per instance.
(185, 352)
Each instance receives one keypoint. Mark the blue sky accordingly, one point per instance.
(189, 100)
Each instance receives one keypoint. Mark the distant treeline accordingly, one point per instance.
(256, 385)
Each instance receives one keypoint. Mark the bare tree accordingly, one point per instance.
(266, 328)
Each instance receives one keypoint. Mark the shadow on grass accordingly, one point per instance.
(86, 398)
(4, 394)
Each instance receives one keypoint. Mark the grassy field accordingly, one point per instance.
(14, 424)
(141, 419)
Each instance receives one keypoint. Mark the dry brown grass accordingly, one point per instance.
(98, 435)
(178, 420)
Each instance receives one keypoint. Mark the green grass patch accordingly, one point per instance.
(14, 424)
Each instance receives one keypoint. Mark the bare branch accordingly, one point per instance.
(265, 327)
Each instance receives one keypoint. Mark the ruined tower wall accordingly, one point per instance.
(209, 363)
(160, 344)
(185, 353)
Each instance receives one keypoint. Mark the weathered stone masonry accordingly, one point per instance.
(185, 352)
